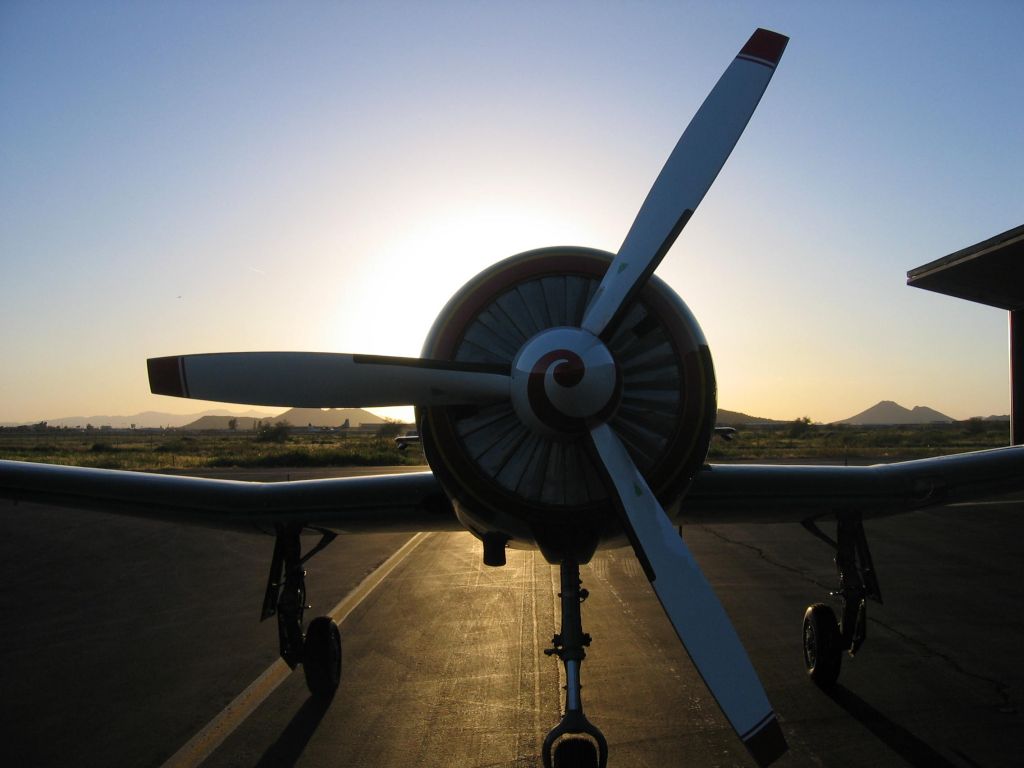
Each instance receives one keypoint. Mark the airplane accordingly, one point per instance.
(404, 442)
(565, 401)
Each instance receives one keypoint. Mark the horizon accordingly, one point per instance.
(255, 413)
(229, 178)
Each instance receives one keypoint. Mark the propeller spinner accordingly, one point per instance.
(564, 399)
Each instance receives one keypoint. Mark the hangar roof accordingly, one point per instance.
(990, 272)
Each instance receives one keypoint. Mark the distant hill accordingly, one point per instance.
(297, 417)
(1005, 417)
(146, 419)
(888, 412)
(334, 417)
(244, 423)
(737, 419)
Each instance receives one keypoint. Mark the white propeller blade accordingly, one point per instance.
(691, 605)
(326, 380)
(688, 174)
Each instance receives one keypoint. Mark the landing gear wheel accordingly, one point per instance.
(575, 752)
(823, 651)
(321, 657)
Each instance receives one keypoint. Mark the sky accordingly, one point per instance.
(185, 177)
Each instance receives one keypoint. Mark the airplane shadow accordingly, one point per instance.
(901, 741)
(296, 735)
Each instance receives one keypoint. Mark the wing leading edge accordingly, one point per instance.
(372, 504)
(723, 493)
(751, 493)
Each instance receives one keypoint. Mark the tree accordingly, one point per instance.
(391, 428)
(232, 424)
(273, 433)
(800, 427)
(975, 425)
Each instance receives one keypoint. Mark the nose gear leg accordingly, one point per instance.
(575, 740)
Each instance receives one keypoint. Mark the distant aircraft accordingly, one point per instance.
(565, 400)
(404, 441)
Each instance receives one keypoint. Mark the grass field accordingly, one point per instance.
(174, 449)
(778, 442)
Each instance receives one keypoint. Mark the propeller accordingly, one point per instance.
(563, 381)
(689, 172)
(695, 612)
(326, 380)
(693, 608)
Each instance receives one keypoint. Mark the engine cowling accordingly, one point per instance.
(523, 470)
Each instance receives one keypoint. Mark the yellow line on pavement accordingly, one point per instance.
(213, 734)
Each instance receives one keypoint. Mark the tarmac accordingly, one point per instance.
(125, 638)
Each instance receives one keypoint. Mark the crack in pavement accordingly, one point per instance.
(771, 561)
(1002, 690)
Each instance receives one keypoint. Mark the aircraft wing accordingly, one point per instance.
(735, 493)
(372, 504)
(722, 493)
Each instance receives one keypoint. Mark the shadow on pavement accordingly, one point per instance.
(893, 735)
(296, 735)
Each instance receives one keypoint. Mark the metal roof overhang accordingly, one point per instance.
(990, 272)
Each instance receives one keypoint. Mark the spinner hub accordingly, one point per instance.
(562, 380)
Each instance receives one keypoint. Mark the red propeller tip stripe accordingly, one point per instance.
(765, 46)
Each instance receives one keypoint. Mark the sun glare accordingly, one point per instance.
(411, 278)
(414, 275)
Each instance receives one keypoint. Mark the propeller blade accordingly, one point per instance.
(688, 174)
(696, 614)
(326, 380)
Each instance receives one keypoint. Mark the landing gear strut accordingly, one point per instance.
(575, 742)
(824, 637)
(319, 648)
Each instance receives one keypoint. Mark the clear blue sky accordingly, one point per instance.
(184, 177)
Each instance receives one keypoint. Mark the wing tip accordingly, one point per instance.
(766, 744)
(765, 46)
(167, 376)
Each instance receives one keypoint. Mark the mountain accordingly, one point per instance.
(333, 417)
(146, 419)
(888, 412)
(243, 423)
(297, 417)
(737, 419)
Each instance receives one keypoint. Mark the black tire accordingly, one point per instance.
(321, 657)
(823, 652)
(575, 752)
